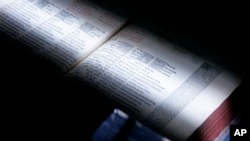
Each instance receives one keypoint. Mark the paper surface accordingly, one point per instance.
(163, 85)
(64, 32)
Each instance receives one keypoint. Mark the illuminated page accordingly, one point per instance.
(5, 2)
(63, 32)
(163, 85)
(20, 16)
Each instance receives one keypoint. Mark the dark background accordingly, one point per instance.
(36, 104)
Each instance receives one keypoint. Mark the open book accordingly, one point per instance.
(132, 63)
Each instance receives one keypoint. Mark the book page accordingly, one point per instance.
(63, 32)
(5, 2)
(167, 87)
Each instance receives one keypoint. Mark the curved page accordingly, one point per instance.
(170, 89)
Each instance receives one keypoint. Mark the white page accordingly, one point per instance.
(161, 84)
(63, 32)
